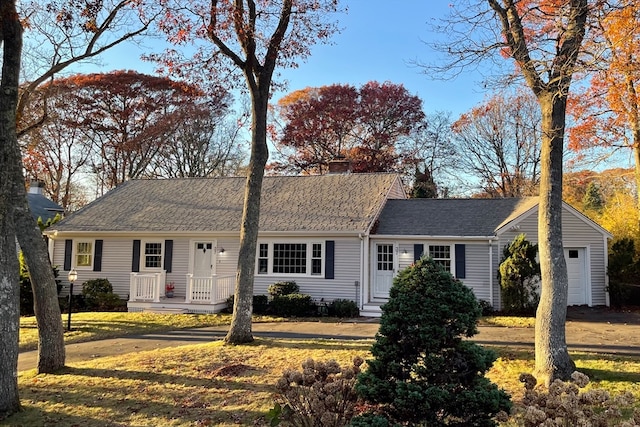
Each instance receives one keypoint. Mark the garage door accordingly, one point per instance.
(577, 274)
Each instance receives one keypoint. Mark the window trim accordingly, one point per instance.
(309, 257)
(143, 255)
(76, 253)
(452, 254)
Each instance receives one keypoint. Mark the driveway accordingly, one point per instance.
(597, 330)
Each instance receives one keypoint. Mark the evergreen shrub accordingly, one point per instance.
(98, 295)
(423, 371)
(260, 304)
(298, 305)
(283, 288)
(519, 276)
(343, 308)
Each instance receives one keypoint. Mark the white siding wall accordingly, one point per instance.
(117, 255)
(576, 233)
(116, 265)
(345, 285)
(476, 259)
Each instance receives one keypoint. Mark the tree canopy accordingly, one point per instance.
(369, 126)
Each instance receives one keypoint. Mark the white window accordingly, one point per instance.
(151, 258)
(291, 258)
(263, 258)
(441, 254)
(84, 254)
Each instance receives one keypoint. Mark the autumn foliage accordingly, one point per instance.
(366, 125)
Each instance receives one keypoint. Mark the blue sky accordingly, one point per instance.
(379, 41)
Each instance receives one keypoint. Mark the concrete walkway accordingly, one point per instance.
(597, 337)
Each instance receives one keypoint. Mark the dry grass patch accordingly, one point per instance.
(197, 385)
(216, 385)
(508, 321)
(93, 326)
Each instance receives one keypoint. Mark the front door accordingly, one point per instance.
(384, 269)
(203, 259)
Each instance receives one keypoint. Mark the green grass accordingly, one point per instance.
(96, 326)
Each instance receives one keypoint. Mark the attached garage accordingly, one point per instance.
(468, 236)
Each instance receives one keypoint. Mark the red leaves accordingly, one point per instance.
(365, 125)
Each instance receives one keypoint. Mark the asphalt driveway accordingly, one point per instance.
(598, 330)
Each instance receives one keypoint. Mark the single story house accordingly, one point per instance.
(336, 235)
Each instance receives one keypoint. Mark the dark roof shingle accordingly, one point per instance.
(341, 203)
(450, 217)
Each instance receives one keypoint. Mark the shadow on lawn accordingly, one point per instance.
(200, 377)
(81, 408)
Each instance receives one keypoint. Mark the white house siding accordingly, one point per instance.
(577, 233)
(346, 282)
(476, 262)
(117, 254)
(478, 274)
(116, 264)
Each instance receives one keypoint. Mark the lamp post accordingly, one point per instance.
(73, 275)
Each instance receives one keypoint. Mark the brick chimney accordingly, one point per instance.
(339, 164)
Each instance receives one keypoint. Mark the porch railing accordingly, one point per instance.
(212, 289)
(146, 286)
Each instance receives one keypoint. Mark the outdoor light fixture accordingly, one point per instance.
(73, 276)
(221, 250)
(404, 252)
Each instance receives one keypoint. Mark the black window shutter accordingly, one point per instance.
(135, 261)
(418, 250)
(460, 262)
(329, 259)
(168, 255)
(68, 249)
(97, 256)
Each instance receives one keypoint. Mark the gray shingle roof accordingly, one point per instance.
(41, 207)
(341, 203)
(450, 217)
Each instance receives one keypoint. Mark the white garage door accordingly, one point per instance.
(577, 274)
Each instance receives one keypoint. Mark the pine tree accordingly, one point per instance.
(423, 371)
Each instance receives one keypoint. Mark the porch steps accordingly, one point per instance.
(164, 310)
(371, 310)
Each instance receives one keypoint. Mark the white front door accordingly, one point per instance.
(577, 275)
(203, 259)
(384, 269)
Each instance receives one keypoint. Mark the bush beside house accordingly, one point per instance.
(423, 371)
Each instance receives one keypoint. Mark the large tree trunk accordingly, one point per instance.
(11, 31)
(552, 357)
(240, 330)
(51, 351)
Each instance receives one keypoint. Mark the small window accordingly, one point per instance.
(263, 258)
(441, 254)
(573, 253)
(152, 256)
(316, 259)
(385, 257)
(84, 254)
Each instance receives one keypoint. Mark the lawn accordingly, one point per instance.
(95, 326)
(215, 385)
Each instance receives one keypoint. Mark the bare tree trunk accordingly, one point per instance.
(51, 351)
(240, 330)
(11, 32)
(551, 356)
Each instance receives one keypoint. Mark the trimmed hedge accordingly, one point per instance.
(298, 305)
